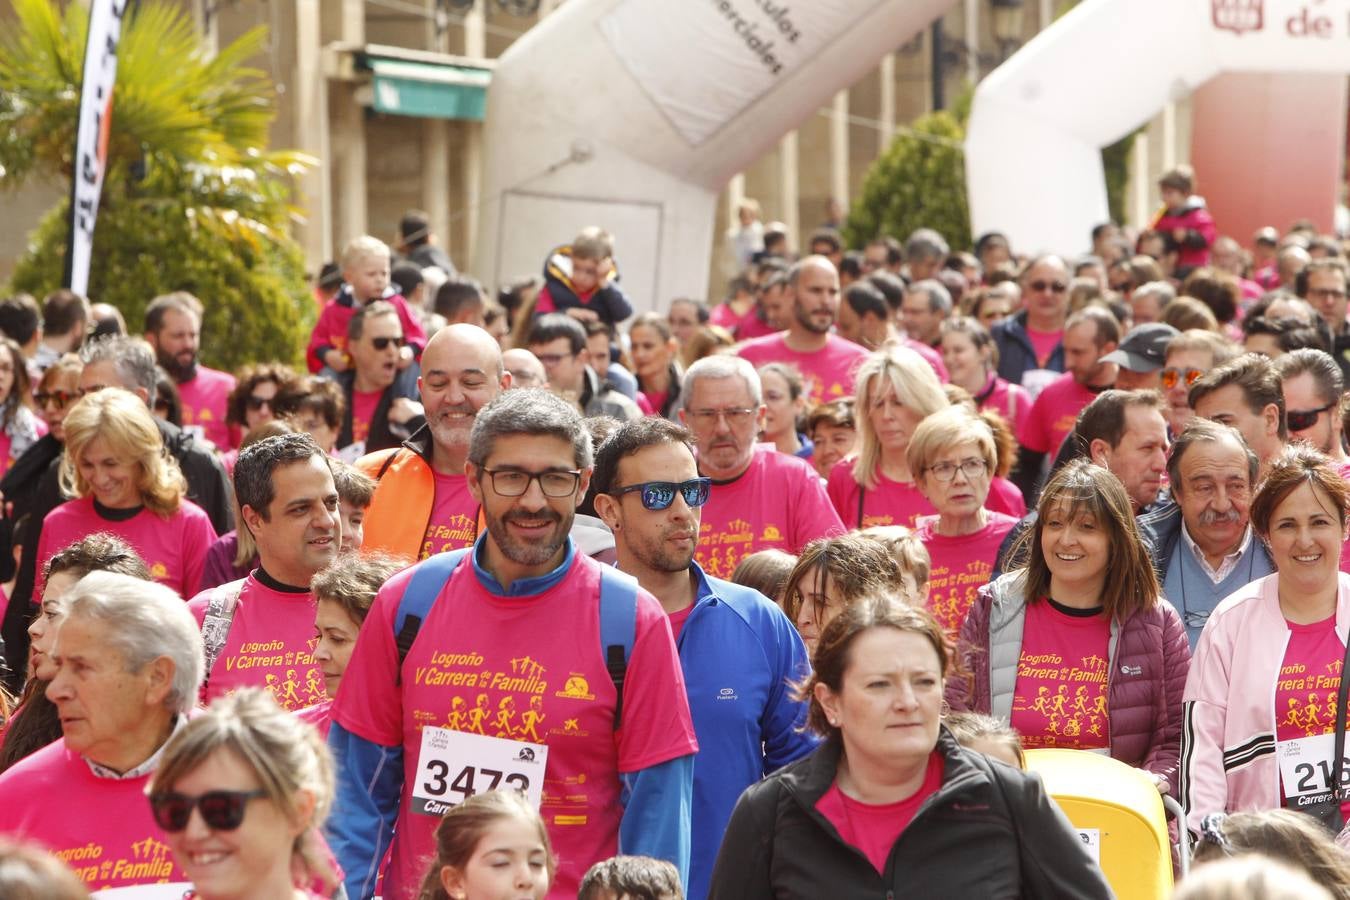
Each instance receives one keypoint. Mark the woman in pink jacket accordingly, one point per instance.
(1079, 650)
(1262, 698)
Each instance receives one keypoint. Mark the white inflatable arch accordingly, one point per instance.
(634, 114)
(1038, 123)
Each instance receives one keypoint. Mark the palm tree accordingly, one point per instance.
(192, 197)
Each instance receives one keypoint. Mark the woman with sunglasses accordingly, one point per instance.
(258, 394)
(241, 792)
(1078, 649)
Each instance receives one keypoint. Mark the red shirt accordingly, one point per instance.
(363, 410)
(874, 828)
(1060, 697)
(1054, 413)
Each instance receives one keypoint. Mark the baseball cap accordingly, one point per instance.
(1267, 235)
(1144, 347)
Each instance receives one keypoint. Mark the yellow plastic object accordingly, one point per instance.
(1119, 815)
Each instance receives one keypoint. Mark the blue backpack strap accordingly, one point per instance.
(618, 628)
(419, 596)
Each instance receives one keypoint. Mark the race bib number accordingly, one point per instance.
(1306, 770)
(452, 766)
(1035, 380)
(1091, 838)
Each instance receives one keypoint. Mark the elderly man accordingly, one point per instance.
(649, 492)
(927, 303)
(173, 325)
(422, 505)
(925, 252)
(1148, 301)
(761, 499)
(1203, 546)
(1030, 351)
(258, 630)
(1189, 356)
(1245, 393)
(826, 361)
(129, 663)
(381, 406)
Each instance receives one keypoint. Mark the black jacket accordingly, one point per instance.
(1016, 355)
(990, 831)
(208, 485)
(383, 434)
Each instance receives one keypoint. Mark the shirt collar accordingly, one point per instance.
(1227, 563)
(521, 587)
(145, 768)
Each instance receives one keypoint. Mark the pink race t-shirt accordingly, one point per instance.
(270, 645)
(778, 503)
(100, 827)
(889, 503)
(320, 715)
(960, 566)
(1011, 401)
(363, 410)
(454, 516)
(1305, 696)
(1060, 696)
(174, 548)
(874, 828)
(753, 327)
(526, 669)
(930, 356)
(1044, 344)
(1054, 413)
(829, 372)
(204, 405)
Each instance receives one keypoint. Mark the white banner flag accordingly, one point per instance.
(91, 136)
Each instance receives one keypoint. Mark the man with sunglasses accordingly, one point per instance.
(173, 324)
(129, 664)
(1030, 349)
(1189, 355)
(738, 650)
(382, 408)
(503, 679)
(761, 499)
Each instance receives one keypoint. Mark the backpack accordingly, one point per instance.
(618, 614)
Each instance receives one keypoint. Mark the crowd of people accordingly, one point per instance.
(533, 595)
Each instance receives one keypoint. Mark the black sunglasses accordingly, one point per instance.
(1303, 419)
(384, 343)
(658, 495)
(256, 403)
(221, 810)
(61, 399)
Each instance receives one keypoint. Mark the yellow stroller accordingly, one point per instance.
(1120, 817)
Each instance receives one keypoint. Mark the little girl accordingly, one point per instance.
(491, 845)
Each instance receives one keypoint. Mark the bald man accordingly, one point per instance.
(525, 368)
(422, 503)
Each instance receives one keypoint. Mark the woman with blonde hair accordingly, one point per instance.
(124, 482)
(241, 792)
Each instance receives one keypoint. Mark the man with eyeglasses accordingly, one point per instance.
(173, 324)
(422, 503)
(1323, 283)
(525, 368)
(503, 678)
(1189, 355)
(129, 664)
(1246, 393)
(559, 342)
(1030, 352)
(382, 408)
(827, 361)
(739, 652)
(761, 499)
(1203, 546)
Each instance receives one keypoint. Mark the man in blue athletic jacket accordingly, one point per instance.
(514, 677)
(739, 652)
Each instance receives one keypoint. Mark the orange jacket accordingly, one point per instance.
(400, 511)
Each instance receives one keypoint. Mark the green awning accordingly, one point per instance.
(429, 91)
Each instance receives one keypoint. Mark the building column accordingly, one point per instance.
(735, 194)
(308, 97)
(839, 148)
(972, 38)
(347, 134)
(787, 186)
(886, 119)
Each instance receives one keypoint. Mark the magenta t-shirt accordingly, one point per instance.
(454, 516)
(100, 827)
(1044, 343)
(930, 356)
(363, 410)
(1305, 693)
(1011, 401)
(1060, 696)
(524, 669)
(174, 548)
(874, 828)
(753, 327)
(901, 502)
(960, 566)
(270, 645)
(205, 398)
(320, 715)
(778, 503)
(828, 373)
(1054, 413)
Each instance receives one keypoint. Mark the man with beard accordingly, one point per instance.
(733, 642)
(422, 504)
(380, 409)
(173, 325)
(258, 630)
(826, 361)
(501, 678)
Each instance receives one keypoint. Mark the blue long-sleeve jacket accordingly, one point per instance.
(740, 656)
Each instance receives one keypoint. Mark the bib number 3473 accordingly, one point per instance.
(452, 766)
